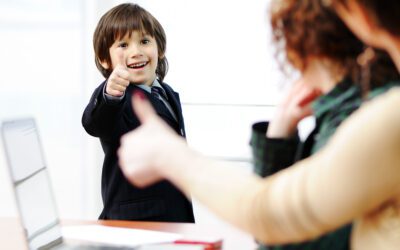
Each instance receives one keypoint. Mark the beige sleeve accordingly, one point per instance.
(356, 172)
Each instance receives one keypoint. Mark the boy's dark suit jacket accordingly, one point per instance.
(123, 201)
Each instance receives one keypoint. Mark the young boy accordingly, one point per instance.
(130, 47)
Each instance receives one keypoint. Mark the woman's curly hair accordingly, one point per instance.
(307, 29)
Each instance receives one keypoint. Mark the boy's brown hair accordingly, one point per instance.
(121, 20)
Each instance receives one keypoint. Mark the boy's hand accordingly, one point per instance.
(295, 106)
(118, 80)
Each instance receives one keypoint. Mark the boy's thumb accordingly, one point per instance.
(142, 106)
(120, 58)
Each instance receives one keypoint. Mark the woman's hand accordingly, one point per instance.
(146, 152)
(295, 107)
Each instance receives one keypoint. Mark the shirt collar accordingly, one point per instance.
(148, 88)
(334, 98)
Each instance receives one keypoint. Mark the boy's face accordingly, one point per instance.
(139, 54)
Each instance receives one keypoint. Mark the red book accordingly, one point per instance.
(208, 243)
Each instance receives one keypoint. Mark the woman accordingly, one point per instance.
(298, 203)
(309, 33)
(377, 24)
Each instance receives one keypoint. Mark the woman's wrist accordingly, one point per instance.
(279, 130)
(174, 159)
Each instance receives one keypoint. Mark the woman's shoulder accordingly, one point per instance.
(380, 229)
(378, 90)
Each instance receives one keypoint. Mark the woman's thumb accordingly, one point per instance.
(142, 106)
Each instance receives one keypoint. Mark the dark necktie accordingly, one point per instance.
(161, 96)
(158, 92)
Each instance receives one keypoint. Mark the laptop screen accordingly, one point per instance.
(31, 182)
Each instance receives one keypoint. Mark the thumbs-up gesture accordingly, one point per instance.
(119, 78)
(147, 152)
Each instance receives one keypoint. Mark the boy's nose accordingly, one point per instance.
(135, 51)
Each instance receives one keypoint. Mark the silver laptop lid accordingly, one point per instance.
(31, 183)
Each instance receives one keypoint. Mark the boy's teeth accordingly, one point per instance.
(137, 65)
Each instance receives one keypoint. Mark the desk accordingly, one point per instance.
(11, 236)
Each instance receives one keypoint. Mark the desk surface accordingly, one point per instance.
(11, 236)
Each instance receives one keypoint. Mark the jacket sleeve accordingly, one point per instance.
(271, 155)
(103, 118)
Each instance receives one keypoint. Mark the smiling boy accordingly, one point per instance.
(130, 45)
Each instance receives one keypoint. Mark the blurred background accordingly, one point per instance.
(221, 62)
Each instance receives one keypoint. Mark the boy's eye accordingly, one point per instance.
(145, 41)
(122, 45)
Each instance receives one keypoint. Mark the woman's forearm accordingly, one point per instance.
(231, 192)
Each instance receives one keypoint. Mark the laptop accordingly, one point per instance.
(32, 188)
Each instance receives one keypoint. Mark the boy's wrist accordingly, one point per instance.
(110, 98)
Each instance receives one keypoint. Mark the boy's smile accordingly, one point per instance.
(139, 54)
(139, 65)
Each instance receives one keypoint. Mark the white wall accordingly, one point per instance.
(221, 62)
